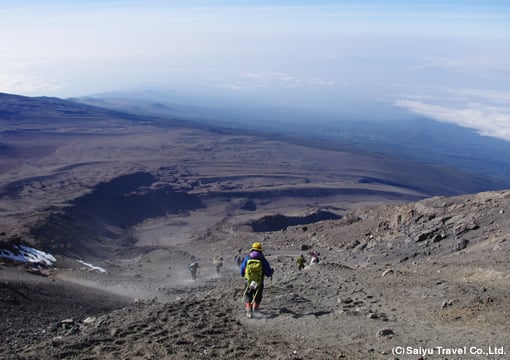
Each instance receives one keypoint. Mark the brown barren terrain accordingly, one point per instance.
(400, 270)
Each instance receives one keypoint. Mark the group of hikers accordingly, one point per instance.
(254, 267)
(193, 266)
(300, 260)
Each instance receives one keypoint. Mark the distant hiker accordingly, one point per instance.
(300, 260)
(218, 263)
(315, 257)
(253, 269)
(238, 258)
(193, 268)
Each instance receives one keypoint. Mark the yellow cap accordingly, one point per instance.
(256, 246)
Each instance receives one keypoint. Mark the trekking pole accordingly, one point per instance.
(270, 288)
(243, 291)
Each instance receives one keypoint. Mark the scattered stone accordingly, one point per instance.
(384, 332)
(488, 300)
(424, 236)
(462, 244)
(57, 340)
(447, 303)
(387, 272)
(353, 244)
(35, 271)
(438, 237)
(89, 320)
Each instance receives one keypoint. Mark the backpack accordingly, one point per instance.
(254, 272)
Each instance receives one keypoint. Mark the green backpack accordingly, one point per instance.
(254, 272)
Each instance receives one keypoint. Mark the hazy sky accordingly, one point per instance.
(449, 60)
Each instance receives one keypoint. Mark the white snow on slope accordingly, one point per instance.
(24, 253)
(100, 269)
(27, 254)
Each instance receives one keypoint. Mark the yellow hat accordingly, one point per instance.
(256, 246)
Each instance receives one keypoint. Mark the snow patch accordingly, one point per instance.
(98, 268)
(27, 254)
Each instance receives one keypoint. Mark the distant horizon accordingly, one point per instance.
(405, 136)
(446, 60)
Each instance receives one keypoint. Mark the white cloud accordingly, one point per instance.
(494, 96)
(100, 45)
(262, 81)
(465, 63)
(285, 80)
(488, 120)
(26, 84)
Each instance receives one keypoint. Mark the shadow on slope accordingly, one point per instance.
(280, 222)
(99, 222)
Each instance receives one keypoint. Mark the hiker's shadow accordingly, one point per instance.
(283, 310)
(267, 314)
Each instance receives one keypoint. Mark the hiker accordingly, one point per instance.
(238, 259)
(193, 268)
(315, 257)
(218, 263)
(253, 269)
(300, 261)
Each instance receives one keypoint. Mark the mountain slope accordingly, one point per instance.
(399, 269)
(55, 155)
(367, 298)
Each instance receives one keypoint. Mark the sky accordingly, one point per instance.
(447, 60)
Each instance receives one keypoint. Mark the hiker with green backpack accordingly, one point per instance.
(253, 269)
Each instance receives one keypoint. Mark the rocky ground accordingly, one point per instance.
(134, 198)
(425, 276)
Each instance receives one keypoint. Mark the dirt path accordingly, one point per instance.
(325, 311)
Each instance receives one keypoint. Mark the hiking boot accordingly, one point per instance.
(249, 312)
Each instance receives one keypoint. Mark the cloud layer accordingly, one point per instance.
(487, 112)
